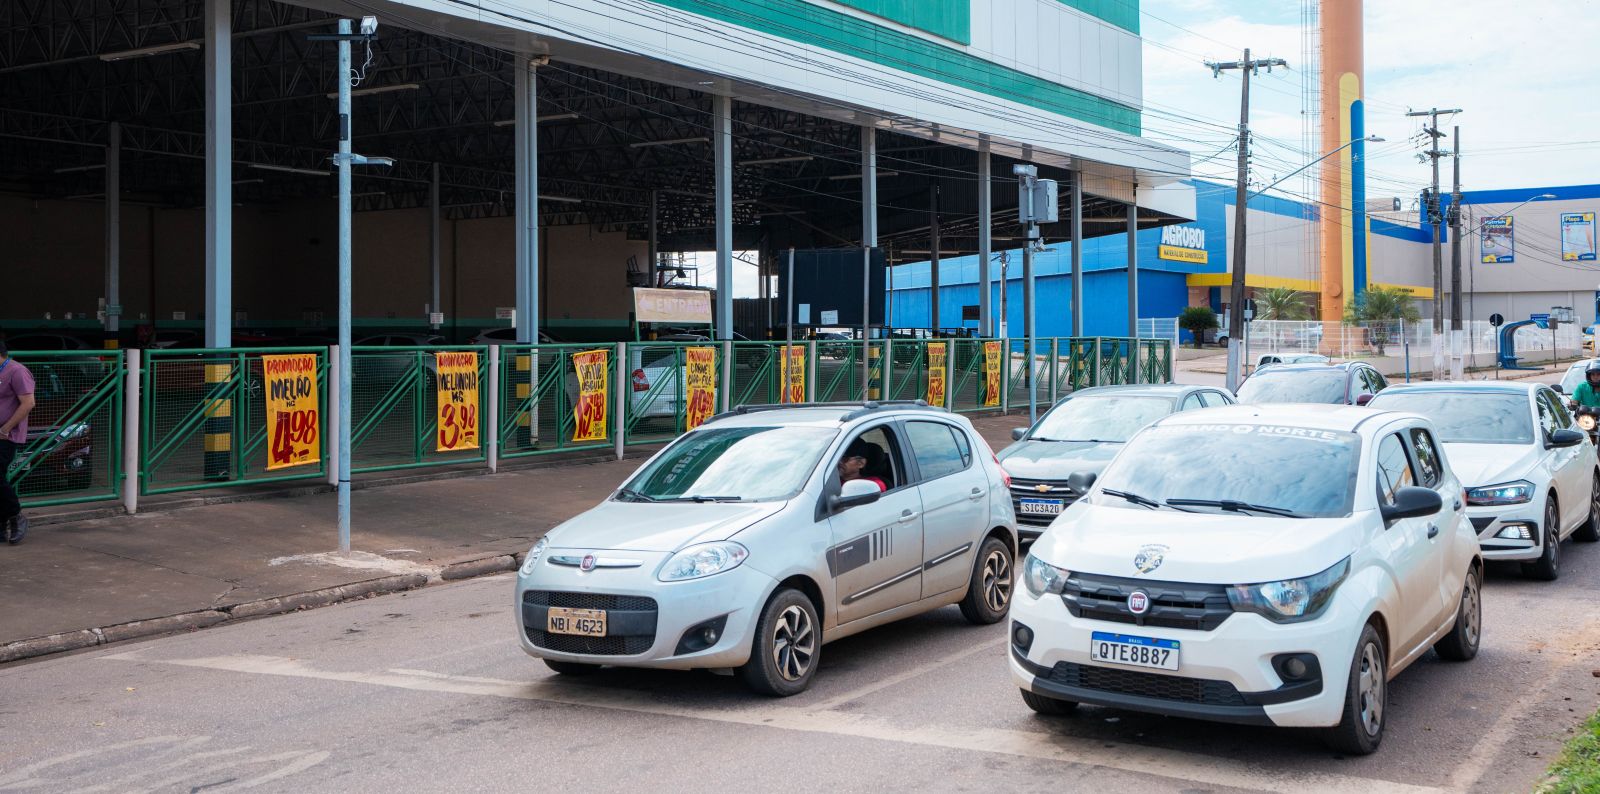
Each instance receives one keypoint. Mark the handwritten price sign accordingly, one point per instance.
(458, 400)
(794, 369)
(936, 373)
(590, 412)
(991, 373)
(294, 418)
(700, 375)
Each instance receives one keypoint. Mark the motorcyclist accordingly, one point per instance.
(1587, 395)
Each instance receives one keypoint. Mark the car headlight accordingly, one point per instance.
(533, 556)
(1510, 493)
(1041, 577)
(1290, 600)
(703, 559)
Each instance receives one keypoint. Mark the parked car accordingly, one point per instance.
(1290, 358)
(1574, 375)
(1345, 383)
(737, 546)
(65, 460)
(400, 340)
(1259, 564)
(506, 336)
(179, 338)
(1531, 479)
(44, 342)
(1082, 433)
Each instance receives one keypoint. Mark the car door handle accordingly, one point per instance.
(907, 515)
(1458, 504)
(977, 493)
(1433, 531)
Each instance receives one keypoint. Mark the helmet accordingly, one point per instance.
(1594, 366)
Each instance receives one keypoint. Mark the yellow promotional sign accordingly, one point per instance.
(1178, 254)
(794, 371)
(294, 417)
(458, 400)
(936, 370)
(700, 381)
(991, 374)
(590, 412)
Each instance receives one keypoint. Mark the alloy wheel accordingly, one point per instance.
(1369, 688)
(1471, 609)
(997, 580)
(794, 643)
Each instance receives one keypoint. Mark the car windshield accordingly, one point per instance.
(744, 463)
(1308, 472)
(1574, 377)
(1294, 386)
(1465, 417)
(1105, 417)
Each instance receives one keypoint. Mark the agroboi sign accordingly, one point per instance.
(1183, 244)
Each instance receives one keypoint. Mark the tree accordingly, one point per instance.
(1198, 320)
(1379, 309)
(1281, 303)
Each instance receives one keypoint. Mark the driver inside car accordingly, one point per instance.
(860, 456)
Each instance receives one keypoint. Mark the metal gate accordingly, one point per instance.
(73, 450)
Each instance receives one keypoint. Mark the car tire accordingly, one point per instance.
(1548, 567)
(1360, 728)
(1046, 705)
(1590, 531)
(572, 668)
(787, 646)
(989, 592)
(1461, 644)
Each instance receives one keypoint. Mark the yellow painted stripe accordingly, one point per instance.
(524, 363)
(219, 409)
(112, 344)
(1303, 284)
(219, 442)
(523, 389)
(218, 373)
(524, 420)
(1349, 92)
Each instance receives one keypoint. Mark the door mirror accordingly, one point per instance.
(1558, 388)
(1565, 438)
(854, 494)
(1081, 481)
(1412, 502)
(1018, 432)
(1363, 399)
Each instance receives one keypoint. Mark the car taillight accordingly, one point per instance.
(1004, 475)
(640, 382)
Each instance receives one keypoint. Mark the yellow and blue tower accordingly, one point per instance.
(1343, 228)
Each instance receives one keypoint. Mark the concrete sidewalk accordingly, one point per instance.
(84, 583)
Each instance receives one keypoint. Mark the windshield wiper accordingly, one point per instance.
(635, 495)
(699, 499)
(1143, 501)
(1236, 506)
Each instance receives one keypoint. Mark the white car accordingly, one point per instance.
(1530, 474)
(737, 547)
(1573, 377)
(1266, 359)
(1258, 564)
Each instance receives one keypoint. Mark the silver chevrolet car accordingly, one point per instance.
(737, 547)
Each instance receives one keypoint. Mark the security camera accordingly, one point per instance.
(369, 26)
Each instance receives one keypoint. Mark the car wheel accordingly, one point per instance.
(1048, 706)
(787, 646)
(989, 593)
(1461, 644)
(572, 668)
(1590, 531)
(1360, 728)
(1548, 567)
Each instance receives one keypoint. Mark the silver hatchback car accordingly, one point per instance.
(750, 541)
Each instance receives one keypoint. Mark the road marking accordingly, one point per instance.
(905, 675)
(1174, 764)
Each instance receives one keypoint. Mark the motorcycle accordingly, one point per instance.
(1589, 420)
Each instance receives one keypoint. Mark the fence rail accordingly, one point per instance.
(201, 416)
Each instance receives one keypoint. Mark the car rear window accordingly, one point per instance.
(1466, 417)
(1294, 386)
(1107, 417)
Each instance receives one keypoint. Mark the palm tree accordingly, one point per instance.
(1378, 308)
(1282, 303)
(1197, 320)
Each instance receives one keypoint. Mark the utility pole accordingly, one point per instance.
(1241, 203)
(1436, 219)
(1457, 364)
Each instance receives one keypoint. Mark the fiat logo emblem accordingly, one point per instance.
(587, 564)
(1138, 602)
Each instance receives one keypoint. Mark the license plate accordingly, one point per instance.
(1133, 651)
(583, 622)
(1040, 507)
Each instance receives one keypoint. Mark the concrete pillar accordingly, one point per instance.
(219, 172)
(869, 237)
(933, 259)
(722, 165)
(526, 297)
(1133, 289)
(986, 326)
(1077, 254)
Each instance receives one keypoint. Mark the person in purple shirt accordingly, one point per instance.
(16, 402)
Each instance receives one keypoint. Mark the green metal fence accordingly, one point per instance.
(394, 401)
(758, 373)
(839, 371)
(1155, 360)
(203, 419)
(73, 450)
(539, 395)
(657, 405)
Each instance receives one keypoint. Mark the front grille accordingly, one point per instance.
(1173, 605)
(1151, 685)
(1023, 488)
(548, 598)
(1480, 523)
(630, 622)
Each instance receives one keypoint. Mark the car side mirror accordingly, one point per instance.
(1018, 432)
(1364, 399)
(1565, 438)
(1412, 502)
(1081, 481)
(854, 494)
(1558, 388)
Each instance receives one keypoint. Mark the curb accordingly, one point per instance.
(34, 647)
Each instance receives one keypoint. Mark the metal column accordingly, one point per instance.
(343, 165)
(527, 203)
(1133, 288)
(869, 240)
(722, 165)
(219, 172)
(1077, 253)
(434, 241)
(985, 230)
(113, 233)
(933, 260)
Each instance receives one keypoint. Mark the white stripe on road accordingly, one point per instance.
(1173, 764)
(903, 676)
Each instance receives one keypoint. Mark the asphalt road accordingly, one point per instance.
(428, 691)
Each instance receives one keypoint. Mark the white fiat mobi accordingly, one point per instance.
(750, 541)
(1259, 564)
